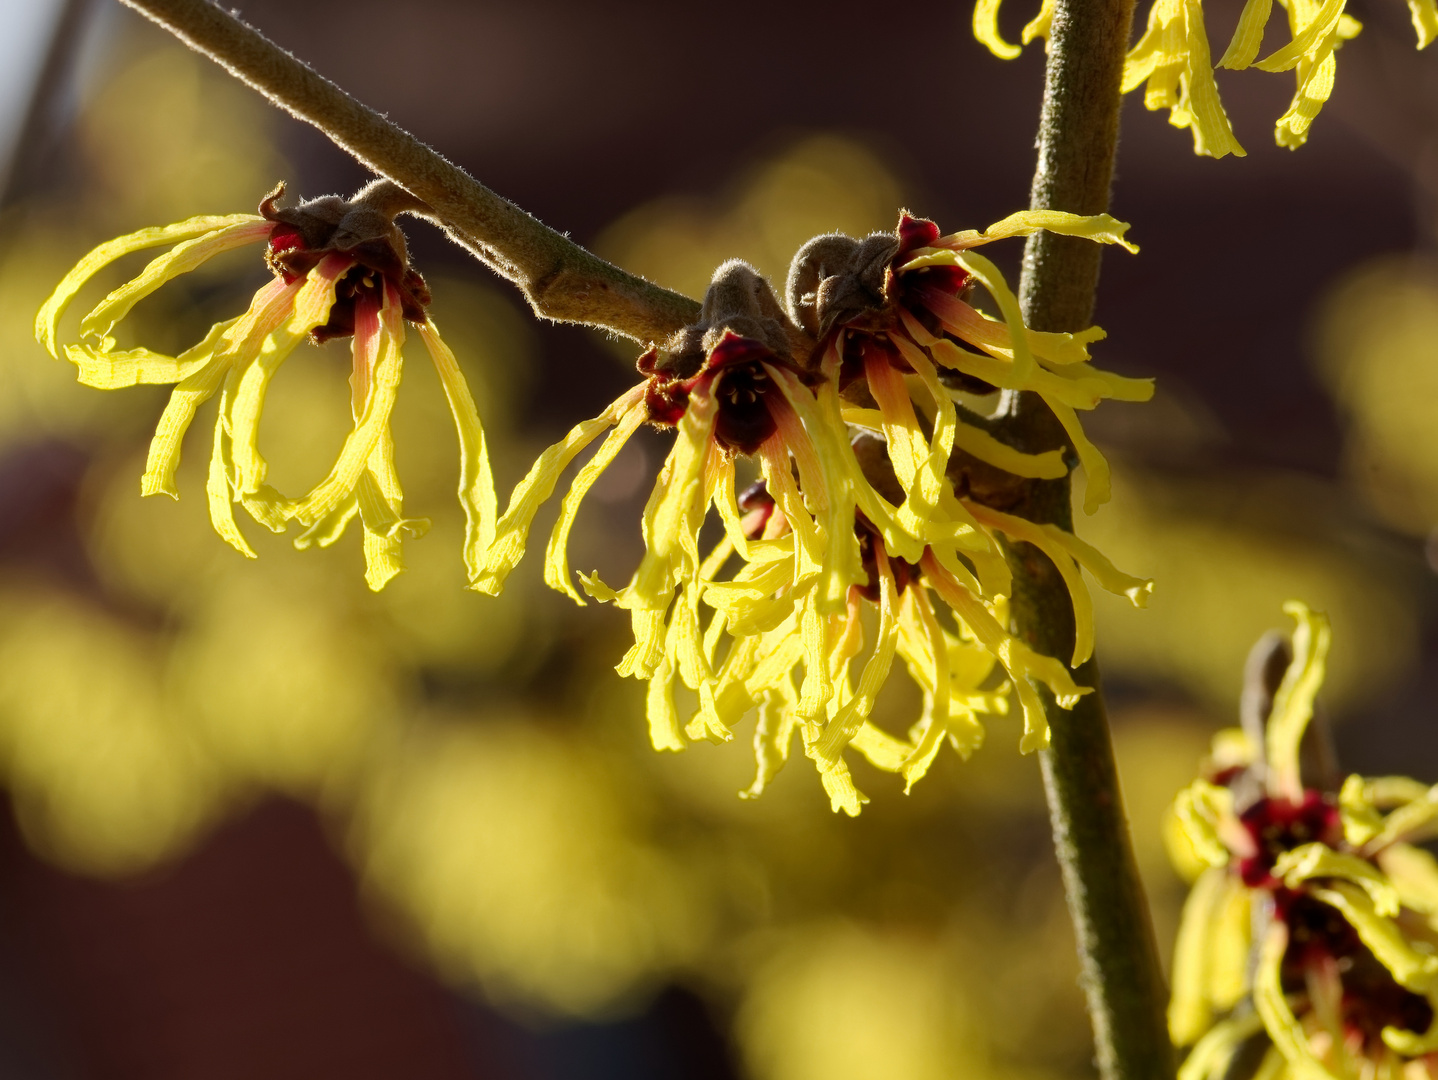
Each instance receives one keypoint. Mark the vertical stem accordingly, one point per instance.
(1078, 133)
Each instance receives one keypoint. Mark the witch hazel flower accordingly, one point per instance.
(892, 315)
(340, 269)
(1172, 60)
(1309, 944)
(732, 386)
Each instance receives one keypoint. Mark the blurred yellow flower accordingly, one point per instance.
(341, 269)
(1327, 891)
(1173, 59)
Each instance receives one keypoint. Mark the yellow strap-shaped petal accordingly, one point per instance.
(512, 531)
(986, 30)
(47, 320)
(1314, 89)
(1041, 25)
(379, 403)
(665, 732)
(310, 308)
(990, 334)
(989, 276)
(1202, 810)
(121, 368)
(1063, 561)
(1414, 873)
(939, 701)
(1283, 1027)
(1113, 580)
(1425, 21)
(476, 480)
(773, 734)
(881, 749)
(556, 556)
(1190, 1012)
(1410, 968)
(380, 501)
(840, 731)
(1211, 1056)
(1098, 484)
(843, 795)
(1412, 822)
(1415, 1043)
(180, 260)
(1018, 659)
(1315, 861)
(239, 340)
(1293, 702)
(1100, 228)
(1308, 43)
(1212, 133)
(218, 491)
(1247, 36)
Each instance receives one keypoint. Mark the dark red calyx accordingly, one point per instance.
(870, 544)
(744, 421)
(915, 233)
(303, 235)
(745, 390)
(757, 506)
(1372, 999)
(1278, 826)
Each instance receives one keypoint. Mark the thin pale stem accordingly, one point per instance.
(1078, 135)
(560, 279)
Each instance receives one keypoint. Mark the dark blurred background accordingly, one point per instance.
(261, 822)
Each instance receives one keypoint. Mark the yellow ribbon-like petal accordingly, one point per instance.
(47, 320)
(556, 556)
(512, 531)
(1293, 702)
(179, 260)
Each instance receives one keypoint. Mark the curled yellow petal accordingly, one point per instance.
(512, 530)
(1247, 36)
(310, 308)
(237, 340)
(1309, 41)
(360, 443)
(1425, 21)
(476, 481)
(1293, 702)
(986, 30)
(1190, 1010)
(773, 734)
(1309, 862)
(47, 320)
(556, 556)
(1100, 228)
(1410, 968)
(179, 260)
(217, 487)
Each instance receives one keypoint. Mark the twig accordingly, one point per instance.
(561, 280)
(1078, 134)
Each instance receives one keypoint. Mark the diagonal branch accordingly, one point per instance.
(561, 280)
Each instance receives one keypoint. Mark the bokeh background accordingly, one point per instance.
(261, 822)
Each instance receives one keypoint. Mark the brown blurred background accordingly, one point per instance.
(262, 822)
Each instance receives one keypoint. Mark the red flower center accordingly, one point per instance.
(1278, 826)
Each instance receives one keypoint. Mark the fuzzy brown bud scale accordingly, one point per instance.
(305, 234)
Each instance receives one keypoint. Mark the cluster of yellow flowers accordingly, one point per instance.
(1309, 945)
(877, 344)
(1173, 63)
